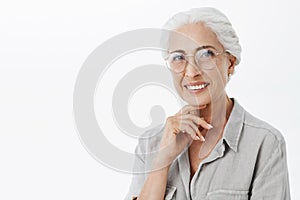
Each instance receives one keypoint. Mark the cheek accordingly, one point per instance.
(177, 80)
(218, 79)
(222, 72)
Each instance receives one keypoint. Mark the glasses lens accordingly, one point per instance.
(176, 61)
(206, 58)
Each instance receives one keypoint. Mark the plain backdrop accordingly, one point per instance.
(42, 47)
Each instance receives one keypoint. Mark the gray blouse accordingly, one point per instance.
(249, 162)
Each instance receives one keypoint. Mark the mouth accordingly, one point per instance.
(196, 87)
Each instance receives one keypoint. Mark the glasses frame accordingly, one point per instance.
(217, 53)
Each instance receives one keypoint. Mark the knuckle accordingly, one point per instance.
(170, 119)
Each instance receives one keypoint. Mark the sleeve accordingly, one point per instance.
(272, 182)
(137, 180)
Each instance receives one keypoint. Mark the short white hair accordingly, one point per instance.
(213, 19)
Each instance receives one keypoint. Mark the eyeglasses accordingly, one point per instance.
(205, 59)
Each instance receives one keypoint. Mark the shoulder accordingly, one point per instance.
(254, 133)
(264, 146)
(261, 139)
(261, 128)
(256, 138)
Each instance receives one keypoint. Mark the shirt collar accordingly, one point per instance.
(234, 125)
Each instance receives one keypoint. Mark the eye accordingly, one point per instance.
(206, 54)
(175, 57)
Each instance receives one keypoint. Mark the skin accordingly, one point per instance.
(210, 107)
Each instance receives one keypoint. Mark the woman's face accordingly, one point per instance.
(214, 80)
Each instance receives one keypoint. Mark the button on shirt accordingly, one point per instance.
(248, 162)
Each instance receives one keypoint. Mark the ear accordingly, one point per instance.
(231, 64)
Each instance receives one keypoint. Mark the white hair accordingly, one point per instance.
(213, 19)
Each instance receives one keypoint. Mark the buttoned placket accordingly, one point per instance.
(184, 167)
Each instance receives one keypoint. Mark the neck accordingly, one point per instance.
(217, 112)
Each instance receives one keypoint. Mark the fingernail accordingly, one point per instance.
(197, 138)
(202, 138)
(210, 126)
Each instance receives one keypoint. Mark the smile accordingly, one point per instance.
(196, 87)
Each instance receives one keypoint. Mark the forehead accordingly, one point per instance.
(190, 36)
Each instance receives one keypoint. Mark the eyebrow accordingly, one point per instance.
(199, 48)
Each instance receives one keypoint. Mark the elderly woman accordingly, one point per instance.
(212, 148)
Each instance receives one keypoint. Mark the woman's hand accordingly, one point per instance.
(179, 130)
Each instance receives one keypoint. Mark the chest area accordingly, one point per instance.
(194, 158)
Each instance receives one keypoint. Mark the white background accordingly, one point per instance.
(42, 47)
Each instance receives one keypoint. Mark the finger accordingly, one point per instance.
(195, 128)
(186, 128)
(197, 120)
(189, 108)
(194, 112)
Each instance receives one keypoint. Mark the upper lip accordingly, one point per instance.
(195, 83)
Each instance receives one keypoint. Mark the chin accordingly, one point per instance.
(196, 101)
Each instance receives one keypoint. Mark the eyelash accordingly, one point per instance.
(211, 53)
(181, 57)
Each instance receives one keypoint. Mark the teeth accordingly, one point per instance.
(197, 87)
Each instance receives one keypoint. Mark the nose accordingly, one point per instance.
(192, 70)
